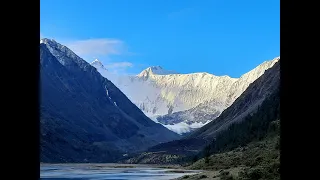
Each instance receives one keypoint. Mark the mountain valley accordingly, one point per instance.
(85, 117)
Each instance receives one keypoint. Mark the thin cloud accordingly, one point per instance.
(97, 47)
(119, 65)
(102, 49)
(119, 68)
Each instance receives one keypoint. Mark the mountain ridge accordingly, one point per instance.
(154, 70)
(182, 102)
(82, 112)
(247, 118)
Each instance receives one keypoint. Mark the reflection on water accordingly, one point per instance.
(106, 171)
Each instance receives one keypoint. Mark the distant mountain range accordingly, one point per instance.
(182, 102)
(84, 117)
(246, 104)
(247, 120)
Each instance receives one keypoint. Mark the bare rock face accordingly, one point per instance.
(247, 103)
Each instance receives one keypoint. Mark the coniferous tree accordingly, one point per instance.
(254, 127)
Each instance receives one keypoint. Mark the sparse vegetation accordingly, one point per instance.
(255, 127)
(252, 146)
(202, 176)
(154, 158)
(262, 154)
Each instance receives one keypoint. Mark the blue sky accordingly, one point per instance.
(221, 37)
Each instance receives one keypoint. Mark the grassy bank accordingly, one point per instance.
(257, 160)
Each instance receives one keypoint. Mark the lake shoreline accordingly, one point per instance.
(118, 165)
(71, 170)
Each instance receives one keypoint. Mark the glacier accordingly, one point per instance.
(182, 102)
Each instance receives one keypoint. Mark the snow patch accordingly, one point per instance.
(183, 127)
(98, 65)
(155, 70)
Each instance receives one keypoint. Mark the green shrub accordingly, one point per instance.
(269, 172)
(202, 176)
(224, 173)
(277, 146)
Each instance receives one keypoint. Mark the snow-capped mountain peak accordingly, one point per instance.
(97, 64)
(64, 55)
(48, 41)
(155, 70)
(182, 102)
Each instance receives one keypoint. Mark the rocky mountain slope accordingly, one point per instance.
(250, 114)
(245, 105)
(246, 150)
(182, 102)
(84, 117)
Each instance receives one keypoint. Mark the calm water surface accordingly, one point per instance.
(108, 171)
